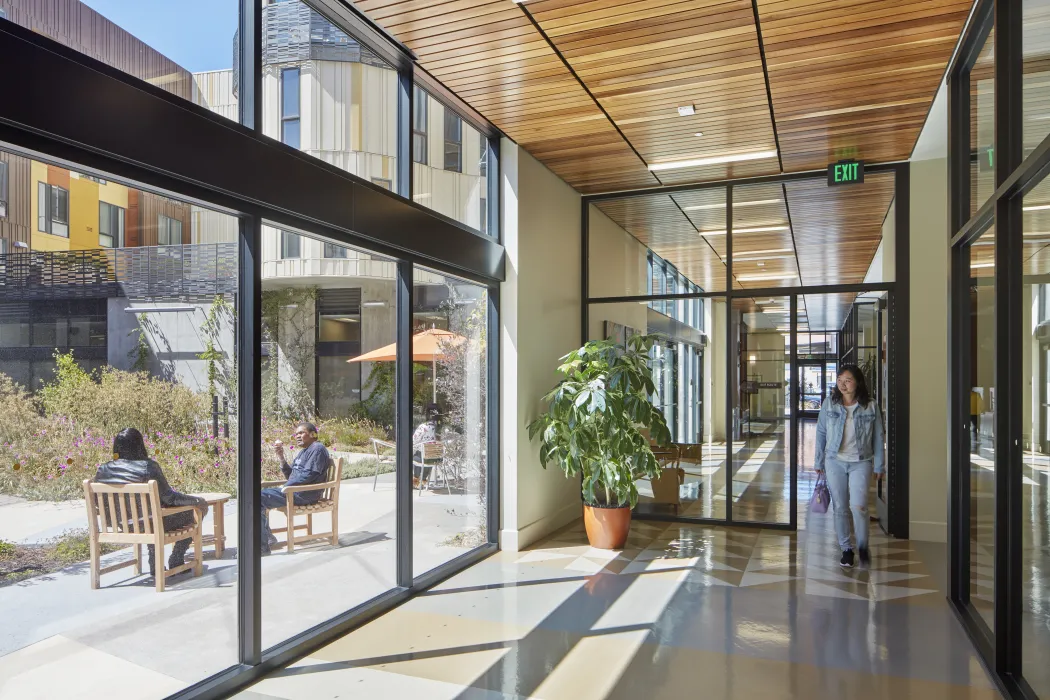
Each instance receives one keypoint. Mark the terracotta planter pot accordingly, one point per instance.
(607, 528)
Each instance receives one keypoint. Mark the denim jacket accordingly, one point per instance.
(868, 424)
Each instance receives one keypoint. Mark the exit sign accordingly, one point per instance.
(846, 172)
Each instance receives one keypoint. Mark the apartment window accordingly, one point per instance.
(331, 250)
(3, 13)
(291, 245)
(290, 107)
(453, 141)
(111, 225)
(383, 182)
(483, 163)
(169, 231)
(419, 125)
(484, 215)
(3, 188)
(52, 209)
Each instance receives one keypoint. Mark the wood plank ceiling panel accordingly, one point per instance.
(642, 59)
(854, 77)
(837, 231)
(659, 224)
(491, 55)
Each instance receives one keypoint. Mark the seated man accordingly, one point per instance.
(310, 466)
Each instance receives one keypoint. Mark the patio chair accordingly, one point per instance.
(432, 454)
(380, 459)
(132, 514)
(328, 503)
(666, 486)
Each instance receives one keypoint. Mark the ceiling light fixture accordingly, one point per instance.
(722, 205)
(1036, 207)
(686, 110)
(756, 229)
(762, 278)
(974, 266)
(699, 133)
(714, 160)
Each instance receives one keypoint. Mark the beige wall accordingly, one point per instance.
(928, 458)
(617, 268)
(540, 322)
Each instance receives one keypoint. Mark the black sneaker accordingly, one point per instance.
(847, 559)
(865, 557)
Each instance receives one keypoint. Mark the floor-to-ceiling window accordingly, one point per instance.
(235, 295)
(998, 109)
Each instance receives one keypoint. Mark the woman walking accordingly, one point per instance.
(849, 448)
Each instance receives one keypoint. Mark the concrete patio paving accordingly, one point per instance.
(59, 638)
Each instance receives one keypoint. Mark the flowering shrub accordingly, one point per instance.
(51, 443)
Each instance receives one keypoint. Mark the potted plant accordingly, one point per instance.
(593, 426)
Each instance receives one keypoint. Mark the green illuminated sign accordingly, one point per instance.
(846, 172)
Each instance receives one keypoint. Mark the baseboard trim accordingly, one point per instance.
(928, 531)
(512, 540)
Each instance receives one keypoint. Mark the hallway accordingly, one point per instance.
(726, 613)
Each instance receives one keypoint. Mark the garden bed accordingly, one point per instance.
(19, 562)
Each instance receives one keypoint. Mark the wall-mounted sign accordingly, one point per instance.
(846, 172)
(771, 385)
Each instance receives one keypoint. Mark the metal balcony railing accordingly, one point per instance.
(180, 272)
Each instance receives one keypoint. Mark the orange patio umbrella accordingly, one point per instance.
(427, 346)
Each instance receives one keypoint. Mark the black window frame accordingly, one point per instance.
(334, 251)
(453, 141)
(49, 198)
(290, 245)
(287, 118)
(5, 186)
(117, 214)
(166, 226)
(420, 119)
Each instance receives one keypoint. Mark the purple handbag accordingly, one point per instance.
(821, 495)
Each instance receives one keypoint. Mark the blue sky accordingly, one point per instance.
(196, 34)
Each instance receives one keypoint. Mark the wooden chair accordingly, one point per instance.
(327, 503)
(381, 459)
(132, 514)
(434, 453)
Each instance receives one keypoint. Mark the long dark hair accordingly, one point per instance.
(128, 444)
(861, 392)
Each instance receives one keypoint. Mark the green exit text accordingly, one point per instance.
(846, 172)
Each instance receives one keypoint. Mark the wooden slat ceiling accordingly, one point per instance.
(846, 76)
(855, 76)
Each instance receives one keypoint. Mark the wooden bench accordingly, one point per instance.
(132, 514)
(327, 503)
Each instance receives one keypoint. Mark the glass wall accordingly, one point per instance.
(1000, 386)
(328, 94)
(329, 345)
(449, 162)
(761, 390)
(183, 48)
(1035, 436)
(449, 418)
(105, 327)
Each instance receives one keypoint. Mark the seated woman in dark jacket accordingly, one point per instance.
(133, 466)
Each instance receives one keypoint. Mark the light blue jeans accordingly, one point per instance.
(849, 482)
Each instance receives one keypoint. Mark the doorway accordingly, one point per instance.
(812, 387)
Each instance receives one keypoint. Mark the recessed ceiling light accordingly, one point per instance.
(977, 265)
(699, 133)
(714, 160)
(1037, 207)
(757, 229)
(686, 110)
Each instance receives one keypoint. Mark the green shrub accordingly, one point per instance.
(7, 549)
(350, 434)
(19, 411)
(113, 399)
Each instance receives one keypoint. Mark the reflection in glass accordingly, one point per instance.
(449, 419)
(982, 125)
(450, 162)
(762, 442)
(982, 424)
(1036, 82)
(1035, 467)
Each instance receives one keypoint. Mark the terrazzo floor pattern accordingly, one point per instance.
(682, 611)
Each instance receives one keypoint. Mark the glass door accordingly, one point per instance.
(812, 384)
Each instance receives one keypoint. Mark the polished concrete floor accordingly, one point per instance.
(684, 611)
